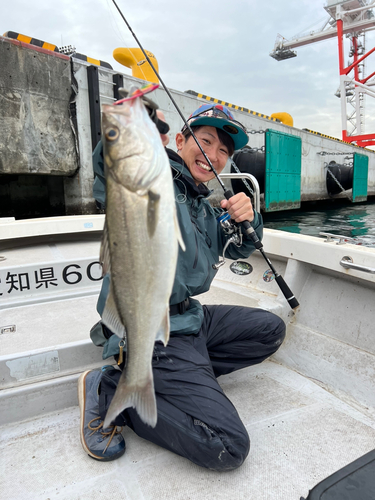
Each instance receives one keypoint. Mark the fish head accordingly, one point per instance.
(131, 143)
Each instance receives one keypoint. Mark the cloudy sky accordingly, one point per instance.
(215, 47)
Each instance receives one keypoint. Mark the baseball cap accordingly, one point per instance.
(219, 116)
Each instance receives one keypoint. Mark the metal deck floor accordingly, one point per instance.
(299, 435)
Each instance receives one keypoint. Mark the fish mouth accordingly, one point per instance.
(204, 166)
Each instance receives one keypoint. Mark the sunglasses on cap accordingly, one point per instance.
(219, 116)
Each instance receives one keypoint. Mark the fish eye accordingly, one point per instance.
(112, 134)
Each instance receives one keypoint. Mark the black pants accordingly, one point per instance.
(195, 418)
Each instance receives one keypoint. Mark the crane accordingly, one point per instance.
(352, 18)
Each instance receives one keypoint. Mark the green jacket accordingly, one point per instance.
(203, 237)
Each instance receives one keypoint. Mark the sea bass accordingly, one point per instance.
(139, 249)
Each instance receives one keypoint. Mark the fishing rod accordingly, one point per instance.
(246, 225)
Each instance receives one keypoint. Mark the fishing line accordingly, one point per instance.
(248, 228)
(115, 24)
(181, 197)
(139, 65)
(122, 39)
(170, 96)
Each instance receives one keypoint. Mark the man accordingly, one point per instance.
(195, 418)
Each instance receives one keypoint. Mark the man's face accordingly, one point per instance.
(215, 150)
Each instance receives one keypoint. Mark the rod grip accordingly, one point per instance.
(288, 294)
(250, 231)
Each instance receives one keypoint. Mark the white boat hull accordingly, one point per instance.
(309, 410)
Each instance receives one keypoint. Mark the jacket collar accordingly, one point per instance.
(178, 164)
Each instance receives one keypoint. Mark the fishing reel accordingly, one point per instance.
(232, 229)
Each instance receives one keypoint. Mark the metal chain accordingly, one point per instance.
(255, 131)
(249, 150)
(337, 182)
(243, 180)
(253, 150)
(325, 153)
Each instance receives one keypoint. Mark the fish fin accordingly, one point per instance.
(104, 251)
(110, 316)
(163, 332)
(178, 232)
(142, 398)
(152, 212)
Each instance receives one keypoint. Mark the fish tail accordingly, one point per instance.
(141, 398)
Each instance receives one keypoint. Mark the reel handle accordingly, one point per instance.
(247, 227)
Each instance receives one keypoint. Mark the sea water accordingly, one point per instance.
(354, 221)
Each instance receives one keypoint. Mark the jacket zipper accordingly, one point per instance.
(209, 243)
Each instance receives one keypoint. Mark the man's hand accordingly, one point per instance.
(239, 207)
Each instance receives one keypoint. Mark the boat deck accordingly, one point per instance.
(302, 428)
(299, 434)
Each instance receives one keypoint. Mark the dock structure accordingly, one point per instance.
(51, 122)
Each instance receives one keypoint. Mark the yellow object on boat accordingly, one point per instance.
(136, 61)
(285, 118)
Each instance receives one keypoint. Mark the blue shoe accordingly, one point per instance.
(100, 444)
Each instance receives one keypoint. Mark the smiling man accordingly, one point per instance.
(219, 135)
(195, 418)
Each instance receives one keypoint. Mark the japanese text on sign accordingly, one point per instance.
(45, 278)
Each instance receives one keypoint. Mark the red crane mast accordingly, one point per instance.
(352, 18)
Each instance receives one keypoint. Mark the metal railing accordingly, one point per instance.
(347, 263)
(253, 181)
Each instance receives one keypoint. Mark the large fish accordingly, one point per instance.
(139, 248)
